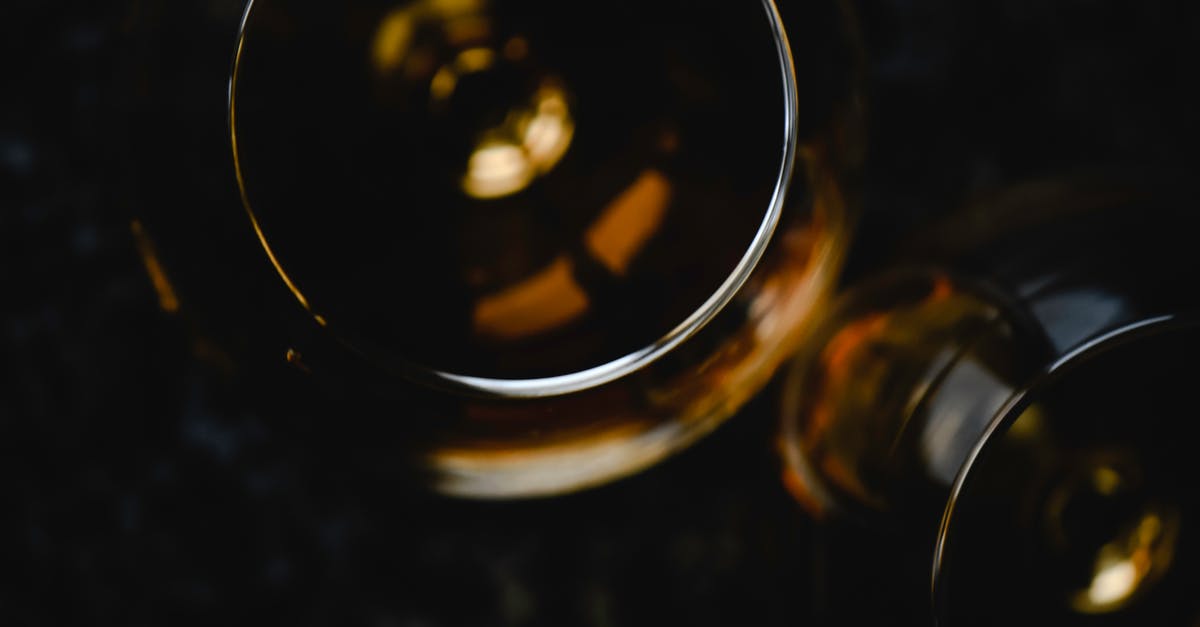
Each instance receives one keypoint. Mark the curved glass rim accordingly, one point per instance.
(594, 376)
(1015, 407)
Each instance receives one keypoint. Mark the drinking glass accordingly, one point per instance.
(1003, 409)
(516, 248)
(1077, 507)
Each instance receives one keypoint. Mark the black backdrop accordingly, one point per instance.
(137, 486)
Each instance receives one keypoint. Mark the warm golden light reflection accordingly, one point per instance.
(547, 134)
(167, 299)
(475, 60)
(445, 80)
(393, 39)
(801, 489)
(1113, 583)
(843, 360)
(1031, 426)
(442, 85)
(293, 357)
(394, 47)
(1106, 480)
(497, 169)
(546, 300)
(531, 139)
(455, 7)
(572, 459)
(629, 221)
(529, 142)
(838, 359)
(1128, 564)
(775, 304)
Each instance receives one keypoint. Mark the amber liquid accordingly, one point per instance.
(488, 190)
(494, 191)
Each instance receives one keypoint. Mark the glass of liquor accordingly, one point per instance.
(1001, 420)
(515, 252)
(1079, 507)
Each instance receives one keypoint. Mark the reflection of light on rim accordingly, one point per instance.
(615, 369)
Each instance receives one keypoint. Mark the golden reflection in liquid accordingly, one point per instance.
(393, 47)
(534, 135)
(1030, 427)
(528, 144)
(168, 301)
(475, 60)
(547, 134)
(541, 302)
(393, 39)
(629, 221)
(626, 435)
(497, 169)
(1114, 582)
(469, 61)
(1129, 564)
(1106, 480)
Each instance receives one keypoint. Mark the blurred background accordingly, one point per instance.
(141, 483)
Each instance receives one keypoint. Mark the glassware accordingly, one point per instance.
(1078, 507)
(985, 407)
(516, 254)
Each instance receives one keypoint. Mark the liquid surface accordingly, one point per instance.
(496, 189)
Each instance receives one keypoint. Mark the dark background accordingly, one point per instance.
(139, 485)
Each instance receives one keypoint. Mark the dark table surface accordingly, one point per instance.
(137, 486)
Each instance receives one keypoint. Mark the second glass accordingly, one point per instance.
(1007, 414)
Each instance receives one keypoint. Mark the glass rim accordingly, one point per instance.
(594, 376)
(1015, 407)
